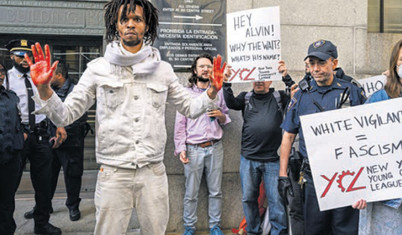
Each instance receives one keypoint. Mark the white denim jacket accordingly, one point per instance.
(130, 110)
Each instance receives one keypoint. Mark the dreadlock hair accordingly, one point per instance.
(7, 82)
(193, 79)
(62, 68)
(111, 18)
(393, 86)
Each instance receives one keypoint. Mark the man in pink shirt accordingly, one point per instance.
(198, 143)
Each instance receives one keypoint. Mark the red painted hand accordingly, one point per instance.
(217, 75)
(41, 72)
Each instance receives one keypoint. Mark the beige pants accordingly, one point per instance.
(120, 190)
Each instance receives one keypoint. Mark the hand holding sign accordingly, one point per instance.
(41, 72)
(217, 75)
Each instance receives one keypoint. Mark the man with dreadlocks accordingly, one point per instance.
(131, 86)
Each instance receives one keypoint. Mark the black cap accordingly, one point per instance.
(19, 47)
(322, 49)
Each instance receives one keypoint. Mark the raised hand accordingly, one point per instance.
(41, 72)
(217, 74)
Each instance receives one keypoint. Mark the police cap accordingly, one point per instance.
(322, 49)
(19, 47)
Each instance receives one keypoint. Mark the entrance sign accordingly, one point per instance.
(355, 153)
(188, 28)
(254, 44)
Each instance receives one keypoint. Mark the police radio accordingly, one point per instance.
(304, 84)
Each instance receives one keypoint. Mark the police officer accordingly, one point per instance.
(36, 146)
(11, 144)
(68, 148)
(325, 92)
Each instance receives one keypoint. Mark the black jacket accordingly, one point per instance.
(76, 130)
(11, 134)
(262, 117)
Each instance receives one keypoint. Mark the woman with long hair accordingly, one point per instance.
(385, 217)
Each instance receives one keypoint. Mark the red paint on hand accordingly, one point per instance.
(217, 75)
(41, 71)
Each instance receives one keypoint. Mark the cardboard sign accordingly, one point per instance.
(355, 153)
(254, 44)
(373, 84)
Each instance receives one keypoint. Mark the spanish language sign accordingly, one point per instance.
(254, 44)
(355, 153)
(373, 84)
(188, 28)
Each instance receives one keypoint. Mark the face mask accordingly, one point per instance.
(399, 71)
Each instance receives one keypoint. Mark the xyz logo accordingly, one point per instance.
(340, 179)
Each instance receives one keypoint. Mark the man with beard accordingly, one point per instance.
(131, 86)
(199, 146)
(36, 146)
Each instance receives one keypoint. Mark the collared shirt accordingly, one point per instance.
(130, 110)
(202, 129)
(325, 97)
(17, 84)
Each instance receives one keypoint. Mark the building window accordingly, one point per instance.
(384, 16)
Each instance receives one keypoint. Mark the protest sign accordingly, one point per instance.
(373, 84)
(355, 153)
(254, 44)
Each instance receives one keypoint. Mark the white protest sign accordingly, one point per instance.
(373, 84)
(355, 153)
(254, 44)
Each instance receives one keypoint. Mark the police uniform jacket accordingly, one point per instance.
(11, 134)
(75, 131)
(326, 98)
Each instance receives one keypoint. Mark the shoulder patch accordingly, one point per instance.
(362, 93)
(292, 103)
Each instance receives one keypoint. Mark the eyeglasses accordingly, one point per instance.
(202, 66)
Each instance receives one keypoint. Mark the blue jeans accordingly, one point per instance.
(251, 174)
(209, 159)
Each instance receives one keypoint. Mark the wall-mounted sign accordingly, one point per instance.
(188, 28)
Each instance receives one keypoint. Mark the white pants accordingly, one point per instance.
(119, 190)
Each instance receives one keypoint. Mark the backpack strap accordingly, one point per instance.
(247, 100)
(278, 100)
(277, 96)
